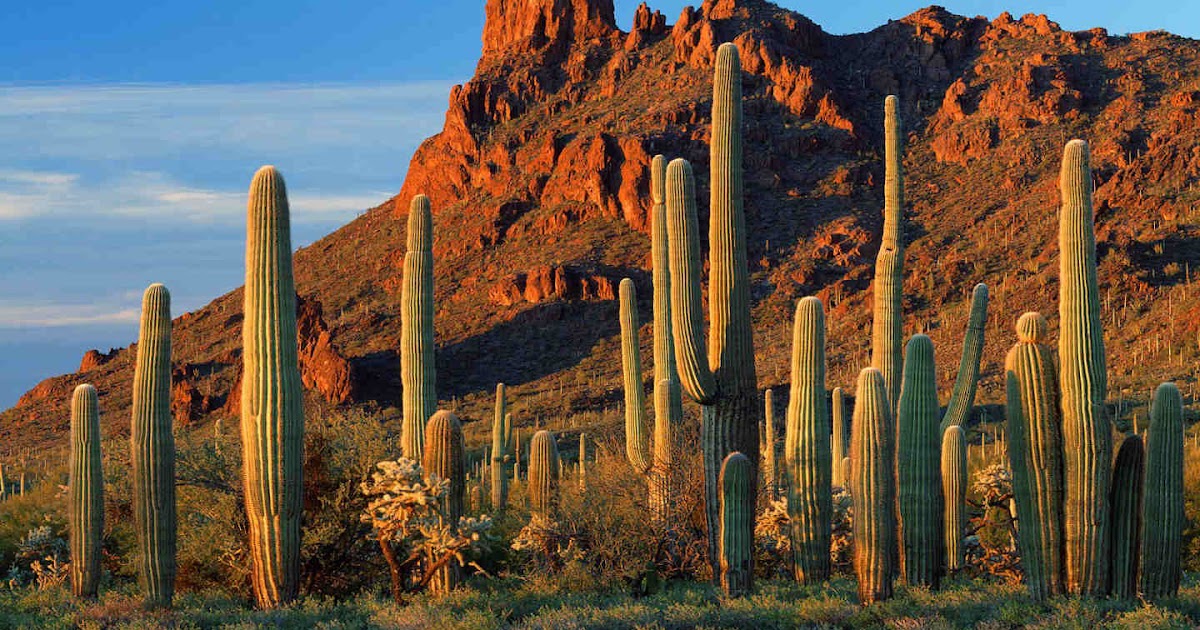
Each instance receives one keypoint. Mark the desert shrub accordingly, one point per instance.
(42, 506)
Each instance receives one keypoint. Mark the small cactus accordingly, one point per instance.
(1126, 530)
(962, 397)
(501, 447)
(1162, 497)
(737, 518)
(841, 437)
(918, 470)
(417, 375)
(954, 490)
(770, 470)
(152, 450)
(582, 463)
(85, 508)
(444, 458)
(543, 473)
(810, 505)
(871, 483)
(272, 406)
(886, 326)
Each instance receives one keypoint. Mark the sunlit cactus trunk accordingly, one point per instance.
(1126, 525)
(806, 445)
(918, 469)
(445, 458)
(152, 450)
(272, 404)
(887, 324)
(954, 491)
(720, 374)
(737, 518)
(770, 469)
(543, 473)
(85, 507)
(417, 374)
(501, 450)
(1162, 498)
(840, 442)
(1035, 452)
(872, 486)
(962, 397)
(1087, 435)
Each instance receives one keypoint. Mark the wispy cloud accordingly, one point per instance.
(56, 315)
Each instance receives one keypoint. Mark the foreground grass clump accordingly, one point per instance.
(552, 603)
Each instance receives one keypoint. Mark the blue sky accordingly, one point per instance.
(130, 130)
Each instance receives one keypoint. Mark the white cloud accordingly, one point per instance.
(42, 315)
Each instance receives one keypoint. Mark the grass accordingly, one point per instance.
(546, 603)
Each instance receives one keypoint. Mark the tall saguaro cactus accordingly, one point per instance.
(1087, 436)
(1036, 450)
(871, 485)
(543, 473)
(417, 375)
(85, 510)
(501, 446)
(152, 449)
(918, 470)
(272, 404)
(887, 324)
(1126, 517)
(445, 458)
(806, 445)
(668, 400)
(1162, 498)
(962, 397)
(720, 375)
(841, 437)
(954, 491)
(737, 517)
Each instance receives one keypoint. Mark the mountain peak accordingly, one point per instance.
(531, 25)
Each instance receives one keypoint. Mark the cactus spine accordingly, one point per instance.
(1036, 451)
(918, 470)
(501, 446)
(770, 471)
(810, 505)
(1162, 499)
(543, 473)
(737, 518)
(1126, 523)
(417, 376)
(962, 397)
(272, 407)
(954, 492)
(1087, 437)
(445, 459)
(152, 449)
(886, 326)
(840, 439)
(720, 375)
(85, 510)
(871, 483)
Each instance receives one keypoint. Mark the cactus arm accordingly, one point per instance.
(954, 490)
(687, 316)
(637, 439)
(962, 397)
(152, 450)
(417, 375)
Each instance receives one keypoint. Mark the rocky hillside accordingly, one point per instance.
(540, 189)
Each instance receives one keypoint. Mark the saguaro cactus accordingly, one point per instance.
(770, 470)
(1035, 448)
(152, 450)
(737, 517)
(886, 327)
(806, 445)
(1162, 499)
(954, 491)
(720, 375)
(272, 406)
(501, 448)
(1087, 436)
(841, 437)
(85, 510)
(543, 473)
(918, 473)
(1126, 524)
(962, 397)
(582, 462)
(444, 457)
(668, 399)
(871, 483)
(417, 375)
